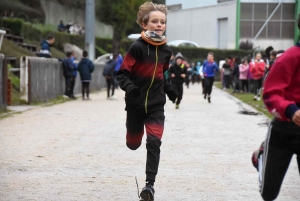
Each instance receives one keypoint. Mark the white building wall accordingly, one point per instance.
(201, 24)
(281, 44)
(186, 4)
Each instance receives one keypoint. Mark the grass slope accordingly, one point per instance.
(248, 99)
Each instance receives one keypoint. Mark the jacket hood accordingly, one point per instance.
(84, 60)
(44, 41)
(178, 55)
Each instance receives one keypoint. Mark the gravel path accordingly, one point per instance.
(76, 151)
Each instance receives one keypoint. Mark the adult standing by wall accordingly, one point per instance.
(209, 69)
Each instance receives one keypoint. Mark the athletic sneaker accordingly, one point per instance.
(209, 99)
(255, 98)
(256, 155)
(204, 96)
(147, 193)
(177, 106)
(113, 98)
(258, 98)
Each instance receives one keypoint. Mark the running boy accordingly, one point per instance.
(282, 98)
(141, 76)
(209, 69)
(178, 74)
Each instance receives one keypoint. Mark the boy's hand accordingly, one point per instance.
(172, 94)
(173, 75)
(296, 118)
(183, 75)
(134, 92)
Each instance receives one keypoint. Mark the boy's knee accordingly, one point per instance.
(153, 141)
(133, 146)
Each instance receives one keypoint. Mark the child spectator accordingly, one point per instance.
(257, 68)
(244, 68)
(85, 68)
(45, 47)
(227, 72)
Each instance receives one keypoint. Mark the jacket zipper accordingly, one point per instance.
(153, 76)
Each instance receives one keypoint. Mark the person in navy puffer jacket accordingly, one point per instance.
(45, 47)
(209, 69)
(85, 69)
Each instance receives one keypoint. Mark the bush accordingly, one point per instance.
(246, 45)
(14, 24)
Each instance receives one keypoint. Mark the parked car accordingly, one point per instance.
(183, 43)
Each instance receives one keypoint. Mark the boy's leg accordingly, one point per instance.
(82, 88)
(180, 93)
(135, 129)
(154, 128)
(211, 83)
(112, 87)
(108, 87)
(88, 89)
(274, 163)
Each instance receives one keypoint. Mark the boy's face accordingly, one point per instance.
(178, 61)
(157, 23)
(51, 41)
(210, 57)
(272, 57)
(258, 57)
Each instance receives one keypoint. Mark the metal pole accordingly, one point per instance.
(267, 21)
(90, 28)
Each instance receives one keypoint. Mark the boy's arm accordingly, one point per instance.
(274, 89)
(123, 74)
(216, 67)
(92, 67)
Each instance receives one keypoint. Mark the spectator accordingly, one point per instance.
(117, 68)
(244, 68)
(45, 47)
(108, 73)
(257, 67)
(68, 68)
(236, 74)
(227, 72)
(74, 75)
(85, 69)
(61, 27)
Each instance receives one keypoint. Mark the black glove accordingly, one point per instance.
(172, 94)
(134, 92)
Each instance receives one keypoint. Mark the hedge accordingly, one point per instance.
(29, 32)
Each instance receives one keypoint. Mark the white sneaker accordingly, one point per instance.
(258, 98)
(112, 98)
(255, 98)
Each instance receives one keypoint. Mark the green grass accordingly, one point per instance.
(248, 99)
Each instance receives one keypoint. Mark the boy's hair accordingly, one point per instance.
(244, 60)
(68, 54)
(211, 53)
(145, 9)
(273, 53)
(85, 53)
(50, 37)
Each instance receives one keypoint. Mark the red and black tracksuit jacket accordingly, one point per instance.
(144, 66)
(282, 86)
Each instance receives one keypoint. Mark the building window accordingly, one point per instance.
(281, 25)
(175, 7)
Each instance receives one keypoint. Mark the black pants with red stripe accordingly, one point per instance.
(282, 142)
(154, 124)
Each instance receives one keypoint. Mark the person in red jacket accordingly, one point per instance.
(257, 68)
(141, 76)
(282, 98)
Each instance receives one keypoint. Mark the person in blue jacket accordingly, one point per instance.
(45, 47)
(74, 74)
(209, 69)
(85, 69)
(118, 65)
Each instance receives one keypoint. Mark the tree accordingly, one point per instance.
(120, 14)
